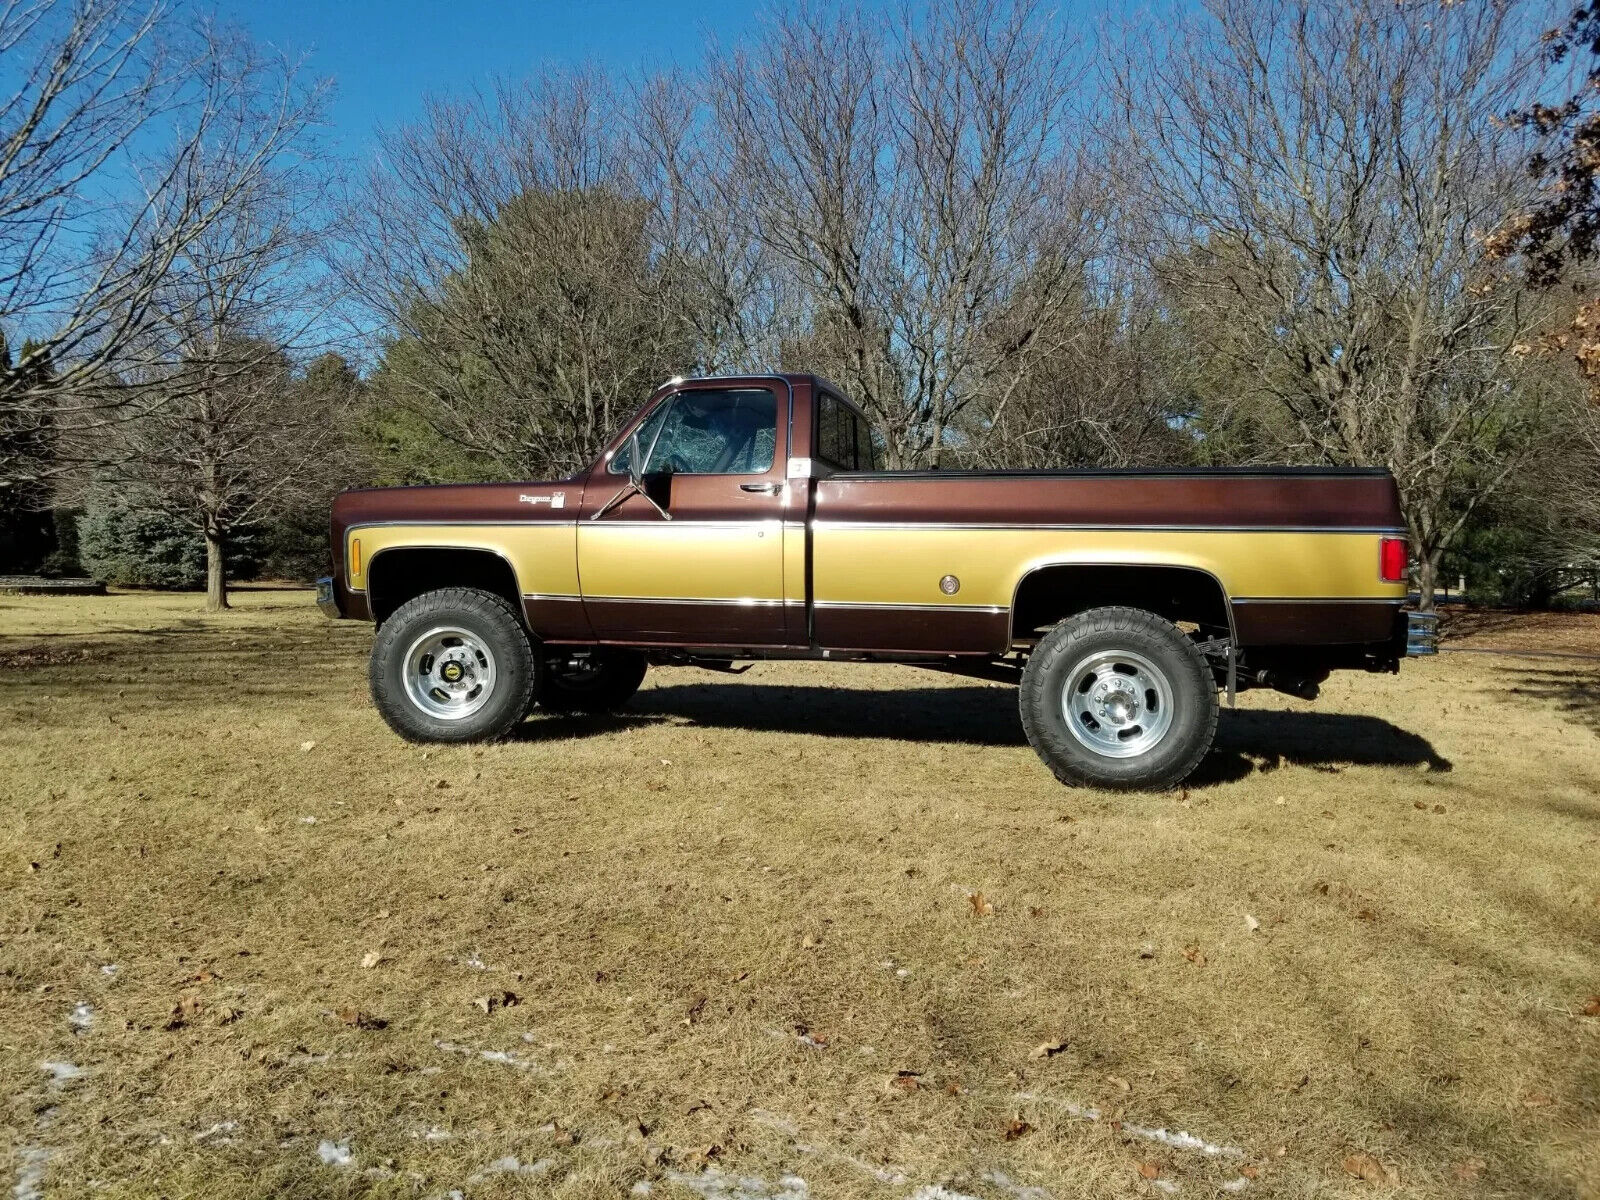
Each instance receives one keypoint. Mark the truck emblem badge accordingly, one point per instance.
(949, 585)
(558, 500)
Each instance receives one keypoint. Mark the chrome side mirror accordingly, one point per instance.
(635, 467)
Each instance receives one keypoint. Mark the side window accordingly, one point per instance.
(712, 431)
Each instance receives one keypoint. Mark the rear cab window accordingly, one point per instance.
(844, 439)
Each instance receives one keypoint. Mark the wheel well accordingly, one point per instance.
(395, 576)
(1051, 594)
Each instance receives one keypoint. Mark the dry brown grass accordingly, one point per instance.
(676, 896)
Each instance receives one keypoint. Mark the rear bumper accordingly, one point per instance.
(1421, 632)
(327, 601)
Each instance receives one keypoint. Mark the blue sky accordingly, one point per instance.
(385, 57)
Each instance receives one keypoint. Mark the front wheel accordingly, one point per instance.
(1119, 698)
(590, 680)
(453, 665)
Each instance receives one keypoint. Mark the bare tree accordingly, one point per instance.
(504, 246)
(914, 184)
(1321, 176)
(224, 434)
(128, 134)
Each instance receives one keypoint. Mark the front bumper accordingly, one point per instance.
(326, 600)
(1422, 634)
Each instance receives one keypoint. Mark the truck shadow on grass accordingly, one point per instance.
(1247, 741)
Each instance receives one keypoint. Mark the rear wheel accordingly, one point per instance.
(1119, 698)
(453, 665)
(590, 679)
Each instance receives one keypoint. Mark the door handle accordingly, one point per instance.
(768, 489)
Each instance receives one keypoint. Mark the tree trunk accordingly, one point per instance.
(216, 582)
(1427, 580)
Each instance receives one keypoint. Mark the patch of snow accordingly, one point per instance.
(476, 963)
(81, 1018)
(1176, 1139)
(504, 1057)
(716, 1184)
(308, 820)
(937, 1191)
(62, 1072)
(1166, 1185)
(511, 1165)
(30, 1174)
(1236, 1185)
(335, 1154)
(642, 1188)
(1010, 1187)
(218, 1128)
(434, 1134)
(1181, 1140)
(110, 969)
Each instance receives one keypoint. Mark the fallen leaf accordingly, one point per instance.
(905, 1081)
(981, 907)
(1366, 914)
(1419, 806)
(1365, 1167)
(954, 1089)
(1538, 1100)
(307, 747)
(1047, 1050)
(1250, 1172)
(227, 1016)
(696, 1007)
(810, 943)
(1438, 808)
(1591, 1007)
(1119, 1083)
(1250, 923)
(1017, 1128)
(1468, 1170)
(493, 1000)
(371, 959)
(1150, 1170)
(360, 1020)
(1192, 953)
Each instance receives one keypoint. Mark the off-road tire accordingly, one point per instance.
(620, 673)
(1109, 631)
(488, 617)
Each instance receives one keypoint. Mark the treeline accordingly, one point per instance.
(1256, 231)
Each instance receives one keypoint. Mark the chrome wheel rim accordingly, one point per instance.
(1117, 703)
(449, 673)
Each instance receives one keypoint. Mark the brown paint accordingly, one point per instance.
(1313, 622)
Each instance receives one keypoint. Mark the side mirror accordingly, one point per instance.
(635, 468)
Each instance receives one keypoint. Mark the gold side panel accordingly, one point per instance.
(544, 554)
(904, 566)
(662, 560)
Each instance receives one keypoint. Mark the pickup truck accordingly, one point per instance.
(747, 517)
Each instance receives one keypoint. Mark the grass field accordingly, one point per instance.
(816, 931)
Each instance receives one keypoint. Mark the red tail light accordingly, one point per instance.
(1393, 554)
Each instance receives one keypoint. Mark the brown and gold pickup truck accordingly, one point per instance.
(747, 517)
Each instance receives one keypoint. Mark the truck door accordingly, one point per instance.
(698, 559)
